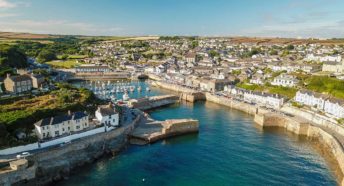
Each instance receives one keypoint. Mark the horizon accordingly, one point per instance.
(321, 19)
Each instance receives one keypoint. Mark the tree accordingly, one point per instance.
(290, 47)
(285, 53)
(194, 44)
(213, 53)
(46, 55)
(10, 56)
(273, 52)
(64, 57)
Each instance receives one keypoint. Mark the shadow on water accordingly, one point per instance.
(320, 148)
(185, 139)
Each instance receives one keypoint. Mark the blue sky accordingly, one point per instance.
(275, 18)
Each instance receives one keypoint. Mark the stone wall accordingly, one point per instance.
(300, 127)
(56, 164)
(238, 105)
(177, 127)
(155, 102)
(9, 177)
(173, 87)
(315, 119)
(154, 131)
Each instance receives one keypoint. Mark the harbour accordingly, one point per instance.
(235, 148)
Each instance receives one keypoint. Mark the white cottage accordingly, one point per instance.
(61, 125)
(107, 116)
(285, 81)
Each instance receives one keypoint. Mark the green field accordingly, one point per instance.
(326, 85)
(71, 63)
(284, 91)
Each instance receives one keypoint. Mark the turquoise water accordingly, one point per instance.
(229, 150)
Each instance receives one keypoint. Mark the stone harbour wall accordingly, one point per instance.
(267, 119)
(303, 128)
(181, 126)
(9, 177)
(57, 163)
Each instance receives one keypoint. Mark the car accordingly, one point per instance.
(23, 155)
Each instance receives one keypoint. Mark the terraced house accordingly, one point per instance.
(330, 106)
(18, 84)
(61, 125)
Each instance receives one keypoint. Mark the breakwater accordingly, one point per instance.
(153, 102)
(298, 126)
(105, 76)
(302, 127)
(153, 131)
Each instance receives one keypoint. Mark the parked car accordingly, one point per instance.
(23, 155)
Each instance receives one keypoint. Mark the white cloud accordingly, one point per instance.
(303, 29)
(57, 27)
(3, 15)
(6, 4)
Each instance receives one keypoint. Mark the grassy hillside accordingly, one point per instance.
(326, 85)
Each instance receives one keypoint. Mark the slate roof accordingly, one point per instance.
(315, 94)
(59, 119)
(38, 76)
(106, 111)
(20, 78)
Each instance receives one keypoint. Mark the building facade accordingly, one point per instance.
(18, 84)
(285, 80)
(61, 125)
(107, 116)
(330, 106)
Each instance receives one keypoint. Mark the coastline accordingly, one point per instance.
(57, 164)
(265, 119)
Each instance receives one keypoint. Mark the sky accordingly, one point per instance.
(260, 18)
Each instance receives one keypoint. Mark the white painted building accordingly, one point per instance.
(60, 125)
(330, 106)
(285, 80)
(107, 116)
(264, 99)
(334, 107)
(310, 98)
(323, 58)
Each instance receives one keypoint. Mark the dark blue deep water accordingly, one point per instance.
(229, 150)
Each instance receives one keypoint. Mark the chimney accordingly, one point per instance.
(110, 105)
(8, 75)
(69, 113)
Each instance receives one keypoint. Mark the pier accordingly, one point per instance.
(153, 102)
(152, 131)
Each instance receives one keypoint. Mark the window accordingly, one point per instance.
(57, 133)
(63, 129)
(77, 127)
(113, 120)
(43, 134)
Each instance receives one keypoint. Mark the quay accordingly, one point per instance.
(153, 102)
(152, 131)
(330, 135)
(44, 166)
